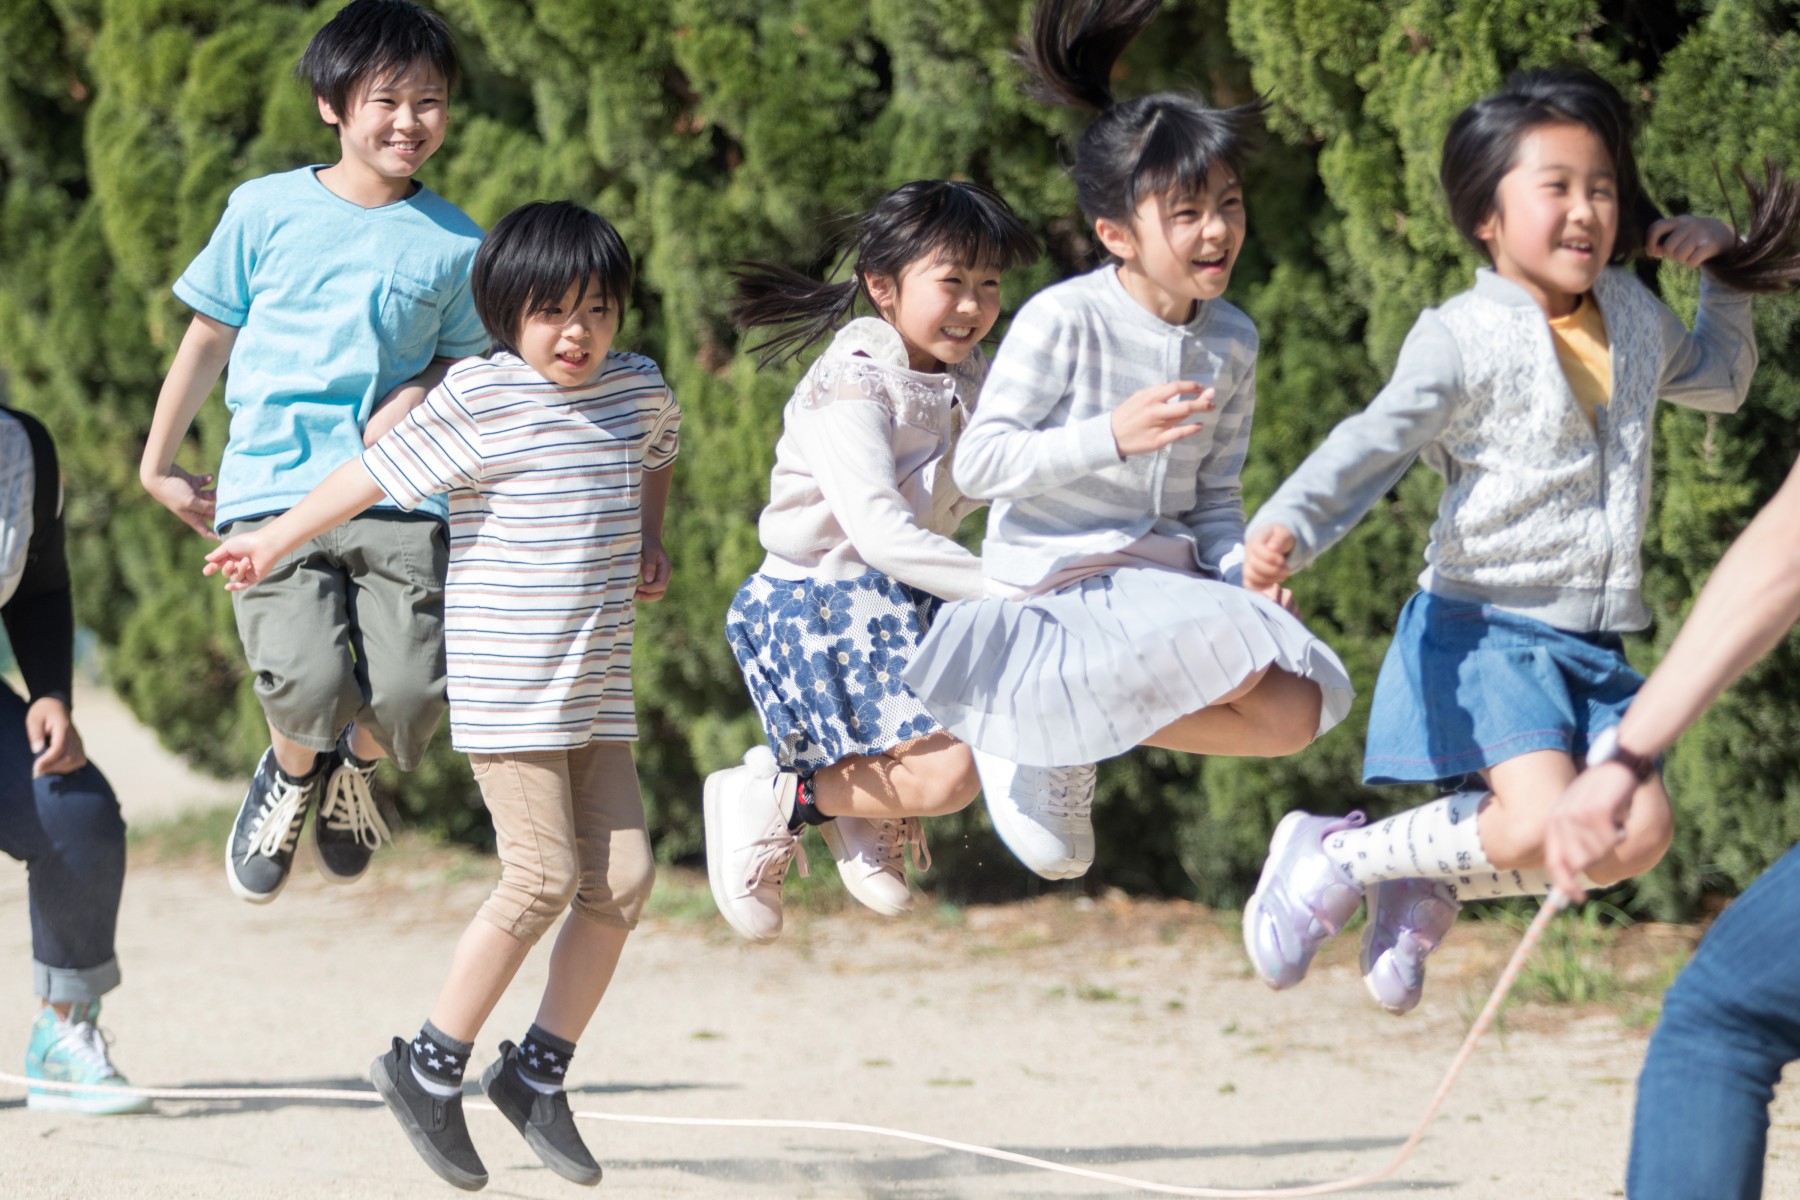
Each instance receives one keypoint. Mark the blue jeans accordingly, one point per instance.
(1729, 1025)
(68, 831)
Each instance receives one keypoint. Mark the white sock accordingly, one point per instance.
(1440, 840)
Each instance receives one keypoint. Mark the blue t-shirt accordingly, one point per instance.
(336, 305)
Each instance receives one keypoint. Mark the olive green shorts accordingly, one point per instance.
(350, 627)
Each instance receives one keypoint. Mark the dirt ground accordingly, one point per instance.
(1123, 1036)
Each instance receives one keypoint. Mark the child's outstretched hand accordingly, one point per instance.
(243, 560)
(1689, 241)
(1266, 560)
(190, 497)
(655, 572)
(1153, 417)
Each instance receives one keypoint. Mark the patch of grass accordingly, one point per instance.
(706, 1035)
(682, 896)
(188, 837)
(950, 1082)
(1573, 962)
(1094, 993)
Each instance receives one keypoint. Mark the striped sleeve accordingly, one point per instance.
(435, 448)
(1008, 450)
(664, 439)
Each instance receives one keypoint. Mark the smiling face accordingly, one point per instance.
(1179, 250)
(942, 309)
(387, 131)
(567, 340)
(1556, 216)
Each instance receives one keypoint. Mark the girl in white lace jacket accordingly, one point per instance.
(1534, 395)
(858, 534)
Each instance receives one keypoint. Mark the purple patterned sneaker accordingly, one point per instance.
(1301, 899)
(1407, 920)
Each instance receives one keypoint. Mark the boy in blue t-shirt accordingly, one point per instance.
(338, 295)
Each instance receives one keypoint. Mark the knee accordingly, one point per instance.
(1286, 711)
(80, 807)
(528, 900)
(620, 898)
(951, 787)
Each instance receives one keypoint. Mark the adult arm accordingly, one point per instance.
(1746, 607)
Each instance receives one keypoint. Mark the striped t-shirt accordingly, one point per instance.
(545, 541)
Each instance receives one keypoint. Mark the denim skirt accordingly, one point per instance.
(822, 659)
(1466, 686)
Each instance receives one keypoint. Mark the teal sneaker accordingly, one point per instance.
(74, 1051)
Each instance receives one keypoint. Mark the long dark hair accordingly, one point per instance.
(1483, 143)
(925, 219)
(1160, 144)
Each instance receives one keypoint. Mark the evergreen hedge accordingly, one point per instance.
(717, 130)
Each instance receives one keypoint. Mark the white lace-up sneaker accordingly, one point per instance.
(871, 859)
(1043, 814)
(748, 844)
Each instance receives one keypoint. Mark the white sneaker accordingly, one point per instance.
(748, 846)
(1043, 814)
(871, 859)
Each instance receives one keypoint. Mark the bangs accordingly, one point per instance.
(1181, 144)
(971, 225)
(537, 253)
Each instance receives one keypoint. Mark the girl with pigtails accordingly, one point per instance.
(1533, 394)
(859, 554)
(1109, 440)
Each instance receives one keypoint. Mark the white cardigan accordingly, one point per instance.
(862, 470)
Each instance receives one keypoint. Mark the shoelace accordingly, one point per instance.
(349, 807)
(777, 851)
(278, 824)
(892, 839)
(1071, 791)
(85, 1043)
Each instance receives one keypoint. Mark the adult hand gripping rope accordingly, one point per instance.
(1553, 903)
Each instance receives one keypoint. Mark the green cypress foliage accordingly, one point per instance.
(716, 130)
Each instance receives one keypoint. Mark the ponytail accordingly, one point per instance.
(1765, 259)
(771, 295)
(1156, 145)
(1074, 46)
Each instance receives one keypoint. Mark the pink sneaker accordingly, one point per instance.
(871, 859)
(1301, 899)
(748, 845)
(1407, 920)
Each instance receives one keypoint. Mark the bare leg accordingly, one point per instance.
(365, 747)
(1272, 714)
(926, 777)
(581, 969)
(485, 961)
(1512, 823)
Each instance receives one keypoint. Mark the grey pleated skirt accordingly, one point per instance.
(1089, 672)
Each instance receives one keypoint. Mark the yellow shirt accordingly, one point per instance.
(1586, 355)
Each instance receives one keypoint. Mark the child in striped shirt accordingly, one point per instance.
(556, 452)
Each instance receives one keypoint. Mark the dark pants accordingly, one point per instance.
(68, 832)
(1729, 1025)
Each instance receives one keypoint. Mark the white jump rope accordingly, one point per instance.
(1553, 903)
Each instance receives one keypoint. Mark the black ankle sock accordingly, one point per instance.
(544, 1057)
(349, 755)
(440, 1057)
(806, 812)
(312, 773)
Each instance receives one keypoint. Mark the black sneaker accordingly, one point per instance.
(267, 829)
(349, 828)
(545, 1120)
(434, 1124)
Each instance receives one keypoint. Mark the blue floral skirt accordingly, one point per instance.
(822, 659)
